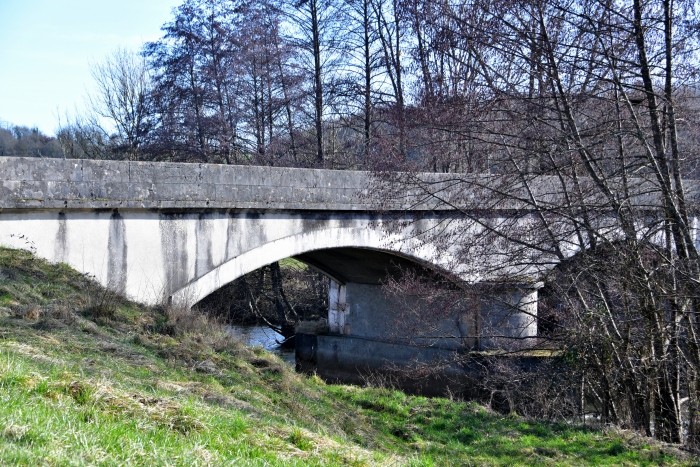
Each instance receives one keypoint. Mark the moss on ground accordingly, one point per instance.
(87, 378)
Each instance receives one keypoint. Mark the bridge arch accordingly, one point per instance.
(182, 231)
(301, 243)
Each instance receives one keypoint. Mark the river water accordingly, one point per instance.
(262, 336)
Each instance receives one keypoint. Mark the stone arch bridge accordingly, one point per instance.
(177, 232)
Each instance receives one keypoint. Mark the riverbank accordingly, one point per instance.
(87, 378)
(262, 336)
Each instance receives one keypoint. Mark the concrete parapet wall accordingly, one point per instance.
(92, 184)
(35, 183)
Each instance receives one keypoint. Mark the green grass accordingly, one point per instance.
(95, 380)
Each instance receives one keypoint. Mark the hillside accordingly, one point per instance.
(87, 378)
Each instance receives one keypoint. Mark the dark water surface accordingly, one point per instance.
(262, 336)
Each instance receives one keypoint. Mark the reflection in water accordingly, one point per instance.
(265, 337)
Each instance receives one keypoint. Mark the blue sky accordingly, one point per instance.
(46, 47)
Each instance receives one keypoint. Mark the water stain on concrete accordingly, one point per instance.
(204, 261)
(60, 252)
(117, 253)
(173, 236)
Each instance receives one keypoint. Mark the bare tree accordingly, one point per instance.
(580, 122)
(315, 28)
(389, 16)
(83, 137)
(195, 106)
(122, 97)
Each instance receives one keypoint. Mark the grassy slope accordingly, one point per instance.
(87, 379)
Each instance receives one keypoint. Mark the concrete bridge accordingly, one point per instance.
(160, 232)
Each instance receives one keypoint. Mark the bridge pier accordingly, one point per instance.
(498, 317)
(369, 333)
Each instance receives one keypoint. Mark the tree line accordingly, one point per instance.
(22, 141)
(303, 83)
(314, 83)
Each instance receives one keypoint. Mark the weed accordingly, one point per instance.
(80, 392)
(185, 424)
(467, 435)
(298, 439)
(616, 448)
(21, 434)
(379, 379)
(182, 320)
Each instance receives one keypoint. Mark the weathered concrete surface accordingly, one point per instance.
(152, 255)
(94, 184)
(506, 319)
(181, 231)
(158, 231)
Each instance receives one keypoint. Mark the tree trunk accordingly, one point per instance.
(318, 83)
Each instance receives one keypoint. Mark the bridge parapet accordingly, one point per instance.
(95, 184)
(37, 183)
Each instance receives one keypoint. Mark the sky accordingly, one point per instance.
(47, 47)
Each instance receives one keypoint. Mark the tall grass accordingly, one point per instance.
(168, 386)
